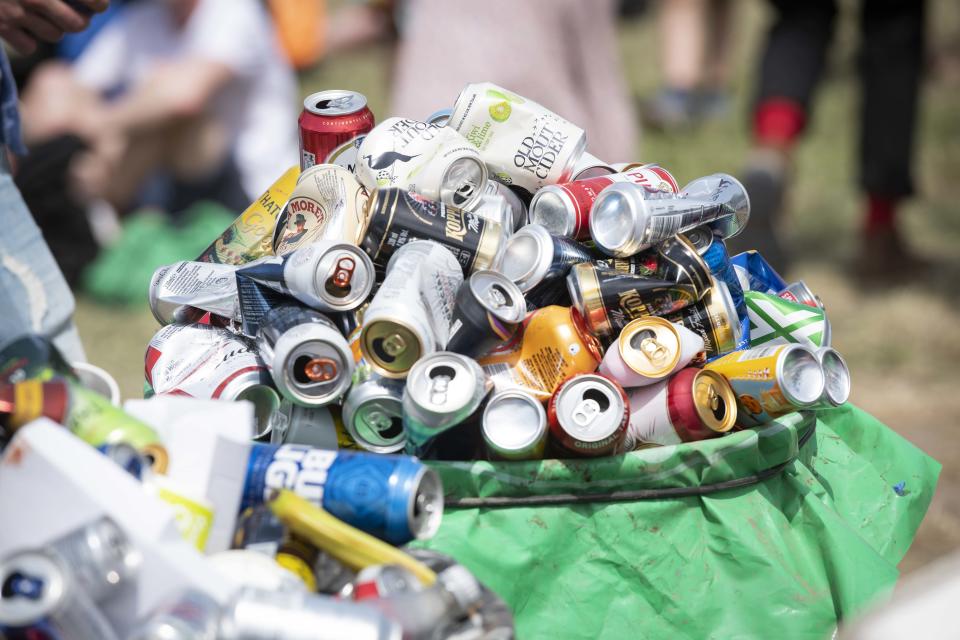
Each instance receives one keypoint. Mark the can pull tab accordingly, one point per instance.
(586, 412)
(343, 272)
(438, 389)
(713, 398)
(321, 370)
(655, 351)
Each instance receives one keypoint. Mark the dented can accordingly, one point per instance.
(589, 415)
(539, 262)
(714, 319)
(333, 125)
(488, 310)
(649, 350)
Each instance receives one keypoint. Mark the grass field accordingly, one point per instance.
(902, 344)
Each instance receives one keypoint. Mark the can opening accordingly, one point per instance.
(385, 425)
(443, 371)
(498, 297)
(387, 349)
(718, 406)
(307, 369)
(338, 284)
(636, 340)
(599, 397)
(19, 584)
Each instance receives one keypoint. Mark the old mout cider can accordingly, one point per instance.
(410, 314)
(564, 209)
(521, 142)
(589, 415)
(332, 127)
(398, 217)
(649, 350)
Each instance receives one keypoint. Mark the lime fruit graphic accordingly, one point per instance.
(500, 111)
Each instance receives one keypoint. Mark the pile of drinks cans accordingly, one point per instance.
(478, 285)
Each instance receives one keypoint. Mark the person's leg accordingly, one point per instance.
(891, 67)
(682, 38)
(790, 68)
(713, 99)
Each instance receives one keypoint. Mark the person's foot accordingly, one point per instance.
(669, 110)
(712, 104)
(885, 258)
(765, 179)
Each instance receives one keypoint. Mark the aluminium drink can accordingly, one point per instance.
(514, 426)
(590, 166)
(715, 255)
(310, 426)
(488, 311)
(517, 206)
(695, 404)
(495, 208)
(836, 378)
(373, 412)
(183, 292)
(538, 263)
(191, 615)
(624, 222)
(411, 313)
(714, 318)
(564, 209)
(327, 203)
(396, 498)
(309, 360)
(332, 125)
(442, 407)
(772, 381)
(398, 217)
(589, 415)
(723, 189)
(435, 163)
(801, 293)
(521, 142)
(649, 350)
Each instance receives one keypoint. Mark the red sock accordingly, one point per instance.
(881, 213)
(778, 122)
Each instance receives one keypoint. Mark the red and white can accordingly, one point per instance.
(695, 404)
(588, 416)
(564, 209)
(648, 350)
(332, 125)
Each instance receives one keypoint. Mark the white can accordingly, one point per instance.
(648, 350)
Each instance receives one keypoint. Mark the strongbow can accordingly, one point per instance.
(333, 124)
(538, 262)
(310, 362)
(411, 313)
(430, 161)
(395, 498)
(514, 426)
(649, 350)
(488, 310)
(373, 412)
(397, 217)
(588, 416)
(521, 142)
(694, 404)
(441, 407)
(771, 381)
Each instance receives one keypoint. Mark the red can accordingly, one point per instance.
(589, 415)
(332, 125)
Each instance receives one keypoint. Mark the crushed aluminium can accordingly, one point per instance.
(539, 262)
(649, 350)
(756, 274)
(714, 253)
(514, 426)
(588, 416)
(714, 319)
(396, 498)
(776, 320)
(488, 310)
(332, 126)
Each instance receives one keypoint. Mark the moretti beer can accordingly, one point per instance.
(521, 142)
(538, 262)
(514, 426)
(332, 127)
(396, 498)
(430, 161)
(326, 275)
(398, 217)
(327, 203)
(588, 416)
(771, 381)
(623, 221)
(441, 407)
(552, 345)
(564, 209)
(310, 362)
(836, 376)
(209, 362)
(488, 311)
(714, 318)
(649, 350)
(410, 314)
(373, 412)
(695, 404)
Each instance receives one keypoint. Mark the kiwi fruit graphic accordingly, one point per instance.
(500, 111)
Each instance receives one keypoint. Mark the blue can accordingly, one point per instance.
(395, 498)
(756, 274)
(718, 261)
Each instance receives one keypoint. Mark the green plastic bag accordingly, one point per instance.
(773, 532)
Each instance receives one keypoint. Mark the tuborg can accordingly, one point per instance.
(333, 124)
(588, 416)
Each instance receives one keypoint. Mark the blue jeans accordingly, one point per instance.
(34, 297)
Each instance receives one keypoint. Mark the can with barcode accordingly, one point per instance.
(327, 203)
(514, 426)
(410, 315)
(836, 378)
(209, 362)
(714, 318)
(648, 350)
(564, 209)
(538, 263)
(588, 416)
(436, 163)
(521, 142)
(442, 407)
(373, 412)
(488, 310)
(310, 362)
(624, 222)
(695, 404)
(771, 381)
(333, 124)
(396, 498)
(398, 217)
(183, 292)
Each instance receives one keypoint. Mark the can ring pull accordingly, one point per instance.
(655, 351)
(343, 272)
(321, 369)
(586, 412)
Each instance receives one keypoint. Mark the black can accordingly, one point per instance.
(488, 310)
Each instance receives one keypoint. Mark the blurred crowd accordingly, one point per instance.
(162, 103)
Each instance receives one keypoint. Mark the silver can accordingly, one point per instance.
(514, 426)
(539, 262)
(308, 426)
(836, 375)
(516, 204)
(497, 209)
(488, 312)
(101, 559)
(192, 615)
(309, 360)
(440, 406)
(184, 291)
(723, 189)
(430, 161)
(373, 412)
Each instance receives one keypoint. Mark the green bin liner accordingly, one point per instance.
(775, 532)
